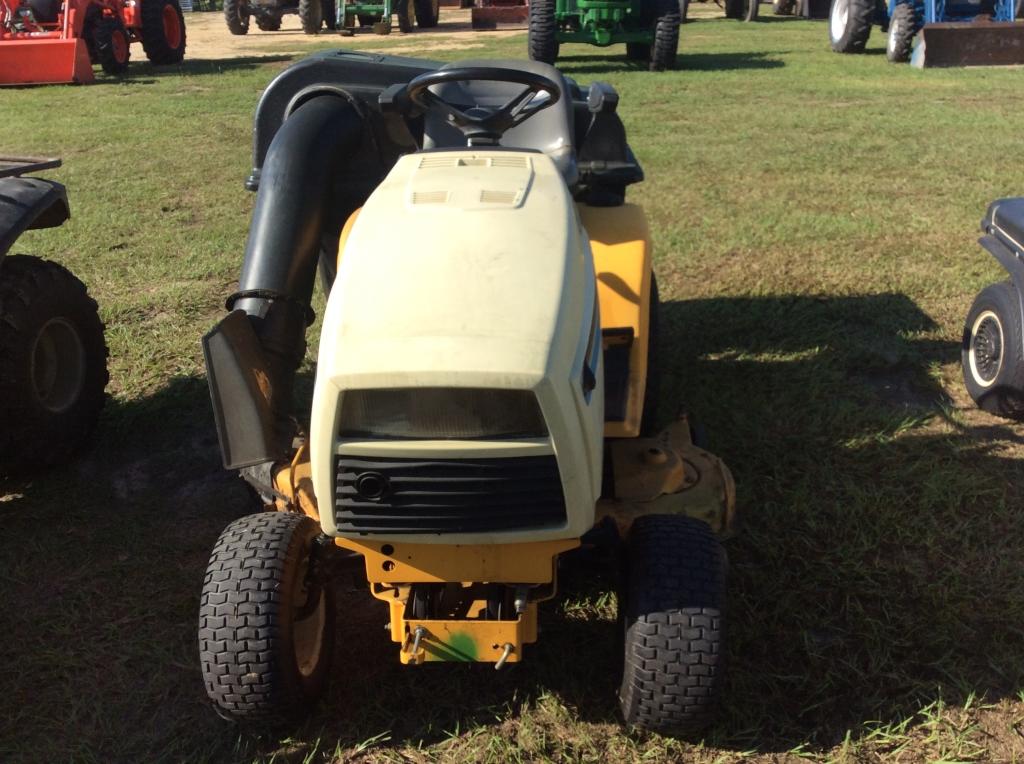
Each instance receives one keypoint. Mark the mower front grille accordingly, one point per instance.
(388, 495)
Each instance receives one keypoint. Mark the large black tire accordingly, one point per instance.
(330, 14)
(849, 25)
(541, 42)
(311, 14)
(751, 8)
(666, 38)
(903, 27)
(652, 387)
(110, 41)
(53, 364)
(992, 351)
(266, 628)
(269, 22)
(783, 7)
(734, 9)
(163, 31)
(427, 13)
(673, 620)
(405, 12)
(236, 14)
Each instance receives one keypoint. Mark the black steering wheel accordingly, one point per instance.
(483, 125)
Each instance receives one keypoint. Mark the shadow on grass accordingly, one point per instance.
(591, 64)
(878, 568)
(146, 74)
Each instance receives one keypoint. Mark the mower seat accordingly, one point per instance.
(1004, 219)
(549, 131)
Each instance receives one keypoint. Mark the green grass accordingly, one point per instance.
(815, 219)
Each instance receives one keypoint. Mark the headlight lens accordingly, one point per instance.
(441, 413)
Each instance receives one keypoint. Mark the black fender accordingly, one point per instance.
(29, 203)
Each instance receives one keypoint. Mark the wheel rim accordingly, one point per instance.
(986, 353)
(119, 45)
(58, 366)
(837, 22)
(309, 619)
(894, 35)
(172, 27)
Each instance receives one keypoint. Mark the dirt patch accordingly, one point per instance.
(209, 38)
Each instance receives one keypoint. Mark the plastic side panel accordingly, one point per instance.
(44, 61)
(621, 244)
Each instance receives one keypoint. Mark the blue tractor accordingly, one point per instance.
(948, 32)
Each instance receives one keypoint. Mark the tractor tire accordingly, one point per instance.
(992, 351)
(405, 12)
(266, 628)
(53, 364)
(638, 51)
(541, 40)
(751, 8)
(666, 38)
(673, 621)
(427, 13)
(163, 32)
(236, 14)
(268, 22)
(330, 14)
(783, 7)
(849, 25)
(684, 10)
(311, 14)
(903, 27)
(652, 386)
(734, 9)
(110, 40)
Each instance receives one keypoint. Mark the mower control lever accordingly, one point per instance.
(482, 125)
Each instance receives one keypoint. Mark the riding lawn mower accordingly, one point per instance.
(484, 394)
(53, 358)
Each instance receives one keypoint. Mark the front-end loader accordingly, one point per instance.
(484, 395)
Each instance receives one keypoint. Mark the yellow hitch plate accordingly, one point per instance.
(497, 642)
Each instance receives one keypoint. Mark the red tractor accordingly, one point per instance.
(48, 41)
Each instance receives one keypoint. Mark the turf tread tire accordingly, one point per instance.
(245, 647)
(1004, 396)
(674, 624)
(541, 38)
(855, 35)
(236, 16)
(32, 292)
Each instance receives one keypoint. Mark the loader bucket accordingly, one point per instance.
(969, 43)
(43, 61)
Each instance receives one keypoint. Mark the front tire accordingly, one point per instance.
(110, 40)
(541, 41)
(236, 15)
(427, 13)
(903, 27)
(266, 626)
(751, 8)
(666, 38)
(311, 14)
(992, 351)
(53, 364)
(163, 32)
(673, 619)
(849, 25)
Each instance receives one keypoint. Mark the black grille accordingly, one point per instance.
(385, 495)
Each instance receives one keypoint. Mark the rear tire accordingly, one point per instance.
(427, 13)
(903, 27)
(849, 25)
(53, 364)
(311, 14)
(266, 631)
(992, 351)
(666, 38)
(673, 621)
(236, 14)
(163, 32)
(110, 40)
(751, 8)
(541, 41)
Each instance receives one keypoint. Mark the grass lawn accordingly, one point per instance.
(815, 219)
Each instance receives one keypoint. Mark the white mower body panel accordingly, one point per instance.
(467, 269)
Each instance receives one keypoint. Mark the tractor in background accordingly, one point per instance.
(948, 33)
(314, 15)
(649, 28)
(376, 15)
(53, 357)
(55, 41)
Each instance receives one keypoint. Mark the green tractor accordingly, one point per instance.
(377, 15)
(650, 28)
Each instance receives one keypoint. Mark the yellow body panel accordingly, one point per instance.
(345, 231)
(621, 243)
